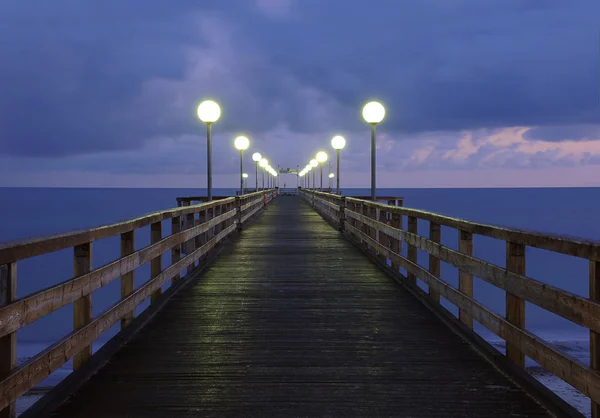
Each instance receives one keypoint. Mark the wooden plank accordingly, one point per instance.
(594, 335)
(42, 365)
(572, 371)
(30, 248)
(176, 250)
(435, 235)
(575, 308)
(465, 279)
(577, 247)
(515, 305)
(412, 250)
(26, 310)
(156, 262)
(82, 307)
(8, 343)
(127, 279)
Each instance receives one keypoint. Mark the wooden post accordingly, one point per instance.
(412, 250)
(465, 280)
(595, 337)
(383, 238)
(8, 343)
(189, 223)
(435, 235)
(82, 307)
(515, 306)
(176, 250)
(127, 280)
(238, 209)
(155, 263)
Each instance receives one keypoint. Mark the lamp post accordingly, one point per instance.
(245, 178)
(256, 157)
(314, 163)
(241, 143)
(209, 112)
(263, 163)
(373, 113)
(331, 175)
(321, 158)
(338, 143)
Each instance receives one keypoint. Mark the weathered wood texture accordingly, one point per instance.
(292, 320)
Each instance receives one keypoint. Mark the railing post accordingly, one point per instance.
(155, 263)
(435, 235)
(465, 280)
(382, 237)
(127, 280)
(188, 223)
(515, 306)
(238, 208)
(8, 343)
(342, 213)
(412, 250)
(595, 337)
(82, 307)
(176, 250)
(395, 222)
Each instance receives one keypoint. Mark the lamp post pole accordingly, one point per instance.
(209, 159)
(337, 171)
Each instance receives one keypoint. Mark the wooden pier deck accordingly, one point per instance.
(293, 320)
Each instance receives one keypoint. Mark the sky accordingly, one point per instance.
(495, 93)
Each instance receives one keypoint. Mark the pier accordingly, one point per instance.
(296, 304)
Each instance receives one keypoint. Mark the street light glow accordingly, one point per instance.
(314, 163)
(373, 112)
(241, 143)
(331, 175)
(209, 111)
(245, 175)
(263, 163)
(256, 157)
(321, 156)
(338, 142)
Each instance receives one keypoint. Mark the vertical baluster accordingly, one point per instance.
(176, 250)
(396, 247)
(127, 280)
(8, 343)
(412, 250)
(82, 307)
(465, 280)
(435, 235)
(382, 236)
(155, 263)
(515, 306)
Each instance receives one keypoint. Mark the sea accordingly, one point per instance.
(34, 212)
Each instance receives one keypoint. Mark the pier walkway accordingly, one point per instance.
(291, 318)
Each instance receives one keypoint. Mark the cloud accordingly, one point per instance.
(95, 86)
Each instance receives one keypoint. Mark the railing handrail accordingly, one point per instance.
(574, 246)
(20, 250)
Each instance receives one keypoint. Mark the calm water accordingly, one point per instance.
(32, 212)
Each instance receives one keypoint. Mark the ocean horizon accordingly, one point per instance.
(33, 212)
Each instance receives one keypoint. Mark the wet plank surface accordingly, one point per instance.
(293, 321)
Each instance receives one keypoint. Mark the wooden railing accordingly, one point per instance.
(190, 241)
(378, 228)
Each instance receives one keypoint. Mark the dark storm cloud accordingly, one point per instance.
(74, 75)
